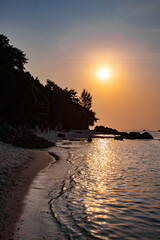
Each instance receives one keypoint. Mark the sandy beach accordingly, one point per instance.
(18, 169)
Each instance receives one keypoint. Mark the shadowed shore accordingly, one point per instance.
(18, 168)
(12, 194)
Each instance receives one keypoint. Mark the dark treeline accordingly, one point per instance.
(25, 101)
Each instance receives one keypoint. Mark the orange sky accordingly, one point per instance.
(129, 99)
(69, 41)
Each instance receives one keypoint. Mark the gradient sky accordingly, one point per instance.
(69, 40)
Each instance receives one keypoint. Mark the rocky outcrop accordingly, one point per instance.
(29, 140)
(124, 135)
(106, 130)
(146, 135)
(136, 135)
(100, 129)
(22, 138)
(8, 133)
(131, 135)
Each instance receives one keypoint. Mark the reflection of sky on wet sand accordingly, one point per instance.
(36, 221)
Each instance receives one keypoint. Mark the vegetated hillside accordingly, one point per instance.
(25, 101)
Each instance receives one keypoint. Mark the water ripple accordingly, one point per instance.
(114, 193)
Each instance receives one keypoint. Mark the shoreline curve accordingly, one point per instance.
(13, 194)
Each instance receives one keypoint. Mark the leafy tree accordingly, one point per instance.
(86, 99)
(25, 101)
(11, 57)
(52, 86)
(72, 94)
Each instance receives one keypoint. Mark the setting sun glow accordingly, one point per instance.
(104, 73)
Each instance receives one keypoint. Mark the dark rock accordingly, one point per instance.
(61, 135)
(146, 135)
(124, 135)
(7, 133)
(100, 129)
(30, 140)
(118, 138)
(134, 135)
(111, 131)
(131, 135)
(106, 130)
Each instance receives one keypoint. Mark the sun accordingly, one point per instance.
(104, 73)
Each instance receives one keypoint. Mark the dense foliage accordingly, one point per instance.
(86, 99)
(25, 101)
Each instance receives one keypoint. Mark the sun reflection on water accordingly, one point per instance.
(106, 200)
(100, 164)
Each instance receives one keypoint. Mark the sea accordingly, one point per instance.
(105, 189)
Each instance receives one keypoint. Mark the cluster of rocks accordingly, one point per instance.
(22, 138)
(29, 140)
(136, 135)
(106, 130)
(125, 135)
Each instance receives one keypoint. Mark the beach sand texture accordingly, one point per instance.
(18, 168)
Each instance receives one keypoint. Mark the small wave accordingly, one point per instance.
(107, 197)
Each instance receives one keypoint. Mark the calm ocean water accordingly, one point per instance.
(111, 192)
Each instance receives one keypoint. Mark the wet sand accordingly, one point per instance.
(22, 173)
(13, 192)
(38, 220)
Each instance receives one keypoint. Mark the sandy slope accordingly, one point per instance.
(18, 168)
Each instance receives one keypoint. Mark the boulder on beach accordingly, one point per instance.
(29, 140)
(62, 135)
(22, 138)
(7, 133)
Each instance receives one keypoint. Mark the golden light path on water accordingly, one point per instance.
(108, 189)
(112, 189)
(98, 160)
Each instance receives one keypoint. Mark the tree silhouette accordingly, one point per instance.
(86, 99)
(11, 57)
(25, 101)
